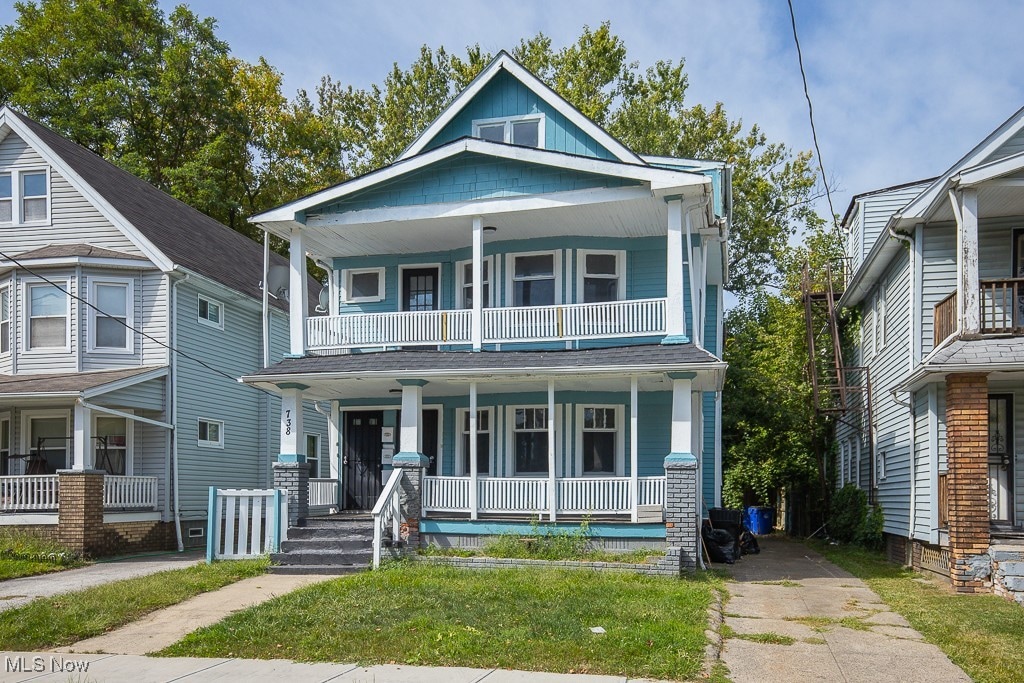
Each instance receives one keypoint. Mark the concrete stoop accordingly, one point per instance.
(338, 544)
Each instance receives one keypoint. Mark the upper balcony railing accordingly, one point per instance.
(1001, 309)
(638, 317)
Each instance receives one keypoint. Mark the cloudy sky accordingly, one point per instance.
(901, 90)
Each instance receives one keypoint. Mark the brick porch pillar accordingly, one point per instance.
(967, 457)
(681, 524)
(293, 477)
(412, 465)
(80, 512)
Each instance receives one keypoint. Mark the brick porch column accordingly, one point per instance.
(80, 512)
(967, 457)
(293, 477)
(412, 466)
(681, 530)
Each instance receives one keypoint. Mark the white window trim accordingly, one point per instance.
(319, 451)
(25, 437)
(26, 327)
(207, 321)
(129, 285)
(462, 459)
(510, 274)
(461, 284)
(620, 270)
(620, 440)
(129, 439)
(508, 121)
(881, 466)
(211, 444)
(10, 317)
(510, 441)
(346, 285)
(17, 197)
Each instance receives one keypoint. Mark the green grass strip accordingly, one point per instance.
(534, 619)
(65, 619)
(983, 634)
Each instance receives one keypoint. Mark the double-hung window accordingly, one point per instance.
(313, 454)
(525, 131)
(5, 320)
(601, 276)
(6, 198)
(601, 448)
(110, 323)
(466, 283)
(530, 440)
(483, 442)
(33, 196)
(211, 433)
(534, 279)
(47, 316)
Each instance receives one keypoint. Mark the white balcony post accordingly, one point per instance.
(297, 295)
(682, 413)
(83, 454)
(634, 449)
(292, 445)
(478, 287)
(552, 493)
(675, 318)
(473, 469)
(968, 285)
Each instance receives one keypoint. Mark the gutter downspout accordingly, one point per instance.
(909, 405)
(174, 408)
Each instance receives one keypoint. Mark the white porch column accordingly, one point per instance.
(473, 468)
(634, 449)
(675, 320)
(334, 434)
(477, 333)
(298, 303)
(293, 446)
(968, 285)
(552, 493)
(410, 433)
(682, 413)
(83, 453)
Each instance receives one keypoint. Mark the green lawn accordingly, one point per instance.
(983, 634)
(534, 619)
(24, 554)
(65, 619)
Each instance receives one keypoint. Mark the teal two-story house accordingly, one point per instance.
(524, 304)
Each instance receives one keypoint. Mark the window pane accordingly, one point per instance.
(534, 293)
(494, 132)
(540, 265)
(532, 452)
(5, 211)
(111, 299)
(33, 184)
(111, 333)
(364, 285)
(601, 264)
(483, 455)
(213, 312)
(114, 428)
(54, 445)
(213, 432)
(5, 186)
(35, 210)
(998, 427)
(597, 290)
(599, 452)
(48, 300)
(47, 332)
(526, 133)
(5, 304)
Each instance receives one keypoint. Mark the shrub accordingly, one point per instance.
(869, 535)
(849, 510)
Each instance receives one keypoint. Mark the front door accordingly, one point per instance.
(1000, 457)
(419, 289)
(361, 461)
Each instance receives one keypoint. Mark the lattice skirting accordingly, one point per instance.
(934, 559)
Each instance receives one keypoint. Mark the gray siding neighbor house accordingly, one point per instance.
(938, 278)
(101, 276)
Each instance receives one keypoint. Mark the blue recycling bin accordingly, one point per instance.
(760, 520)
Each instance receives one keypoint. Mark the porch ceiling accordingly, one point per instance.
(997, 198)
(618, 212)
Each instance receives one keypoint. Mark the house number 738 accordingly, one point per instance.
(287, 422)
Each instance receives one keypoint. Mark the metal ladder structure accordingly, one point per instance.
(840, 391)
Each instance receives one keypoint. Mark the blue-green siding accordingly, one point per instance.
(507, 96)
(469, 177)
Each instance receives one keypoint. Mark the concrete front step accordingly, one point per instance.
(333, 569)
(323, 557)
(337, 543)
(301, 532)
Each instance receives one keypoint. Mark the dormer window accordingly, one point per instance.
(525, 131)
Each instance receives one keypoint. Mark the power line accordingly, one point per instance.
(124, 323)
(810, 115)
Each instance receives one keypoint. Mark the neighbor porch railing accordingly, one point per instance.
(28, 493)
(129, 492)
(529, 495)
(638, 317)
(1002, 308)
(944, 319)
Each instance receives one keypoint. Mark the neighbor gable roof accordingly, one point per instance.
(169, 232)
(505, 62)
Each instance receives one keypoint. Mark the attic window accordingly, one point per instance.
(525, 131)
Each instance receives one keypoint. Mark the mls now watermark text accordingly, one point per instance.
(48, 664)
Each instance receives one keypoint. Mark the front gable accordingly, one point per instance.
(505, 96)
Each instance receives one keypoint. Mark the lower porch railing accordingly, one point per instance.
(28, 493)
(598, 495)
(129, 492)
(323, 493)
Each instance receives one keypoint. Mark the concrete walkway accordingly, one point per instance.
(17, 592)
(63, 667)
(167, 626)
(791, 591)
